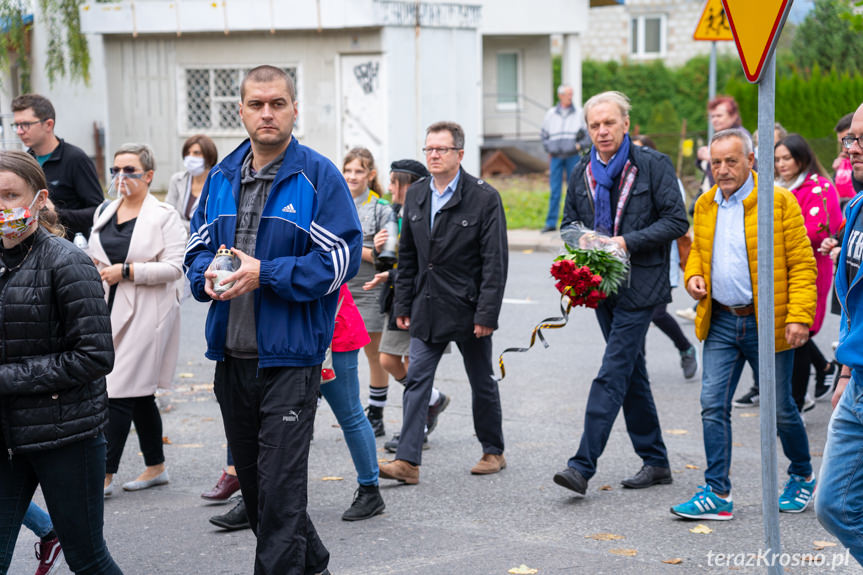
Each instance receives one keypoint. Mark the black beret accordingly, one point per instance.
(409, 167)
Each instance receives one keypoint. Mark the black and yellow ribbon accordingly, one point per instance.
(547, 323)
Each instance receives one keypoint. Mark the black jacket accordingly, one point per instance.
(653, 216)
(55, 349)
(73, 186)
(453, 276)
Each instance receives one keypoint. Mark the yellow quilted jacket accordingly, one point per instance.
(794, 268)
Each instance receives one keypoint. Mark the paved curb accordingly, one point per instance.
(534, 240)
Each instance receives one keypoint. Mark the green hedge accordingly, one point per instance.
(663, 97)
(683, 89)
(808, 106)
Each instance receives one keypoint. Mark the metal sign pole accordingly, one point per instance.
(766, 343)
(711, 90)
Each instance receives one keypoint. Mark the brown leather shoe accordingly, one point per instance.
(488, 464)
(400, 470)
(225, 487)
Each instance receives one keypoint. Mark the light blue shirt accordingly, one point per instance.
(731, 282)
(438, 199)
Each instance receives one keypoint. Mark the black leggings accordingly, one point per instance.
(144, 412)
(804, 356)
(670, 327)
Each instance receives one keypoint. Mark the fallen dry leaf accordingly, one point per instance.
(189, 445)
(749, 414)
(676, 431)
(527, 251)
(690, 466)
(808, 558)
(165, 440)
(604, 537)
(703, 529)
(736, 444)
(523, 570)
(819, 545)
(675, 561)
(624, 552)
(816, 453)
(332, 478)
(186, 375)
(606, 488)
(207, 419)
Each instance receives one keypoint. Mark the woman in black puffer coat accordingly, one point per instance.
(55, 350)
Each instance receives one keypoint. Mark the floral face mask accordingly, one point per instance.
(15, 222)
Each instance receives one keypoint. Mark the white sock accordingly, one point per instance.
(435, 395)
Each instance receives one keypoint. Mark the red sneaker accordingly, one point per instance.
(226, 486)
(50, 554)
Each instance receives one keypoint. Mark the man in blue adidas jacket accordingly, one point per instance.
(839, 501)
(288, 217)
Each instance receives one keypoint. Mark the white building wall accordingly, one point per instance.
(432, 77)
(608, 36)
(150, 113)
(537, 17)
(535, 85)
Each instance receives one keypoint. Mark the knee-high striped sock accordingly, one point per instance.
(378, 396)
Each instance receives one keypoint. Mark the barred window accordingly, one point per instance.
(209, 96)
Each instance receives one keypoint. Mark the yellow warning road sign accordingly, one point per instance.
(713, 25)
(756, 27)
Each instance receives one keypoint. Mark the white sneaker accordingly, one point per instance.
(686, 313)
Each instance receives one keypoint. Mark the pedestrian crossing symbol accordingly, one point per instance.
(713, 25)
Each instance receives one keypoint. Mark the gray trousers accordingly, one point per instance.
(487, 418)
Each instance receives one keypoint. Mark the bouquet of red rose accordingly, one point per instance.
(589, 273)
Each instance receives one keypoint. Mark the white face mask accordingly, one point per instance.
(194, 165)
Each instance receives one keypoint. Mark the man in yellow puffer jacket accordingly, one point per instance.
(721, 274)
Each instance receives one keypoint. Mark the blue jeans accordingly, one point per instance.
(731, 342)
(839, 501)
(560, 166)
(343, 395)
(72, 479)
(37, 521)
(622, 382)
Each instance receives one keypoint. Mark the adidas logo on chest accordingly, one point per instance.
(289, 209)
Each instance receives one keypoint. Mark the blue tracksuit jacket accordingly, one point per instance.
(309, 242)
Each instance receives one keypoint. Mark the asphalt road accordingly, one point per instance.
(455, 523)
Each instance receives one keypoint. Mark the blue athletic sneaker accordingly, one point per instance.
(705, 505)
(797, 494)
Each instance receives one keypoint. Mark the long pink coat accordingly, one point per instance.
(145, 318)
(819, 202)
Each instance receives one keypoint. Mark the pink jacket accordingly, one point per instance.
(843, 179)
(819, 202)
(350, 332)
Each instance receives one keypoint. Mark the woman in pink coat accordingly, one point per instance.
(798, 170)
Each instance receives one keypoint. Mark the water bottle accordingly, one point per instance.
(80, 241)
(387, 257)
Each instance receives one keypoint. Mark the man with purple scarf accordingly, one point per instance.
(630, 194)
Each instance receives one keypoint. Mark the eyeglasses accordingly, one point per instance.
(439, 151)
(848, 142)
(25, 126)
(128, 171)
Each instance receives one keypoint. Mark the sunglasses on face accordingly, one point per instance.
(127, 171)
